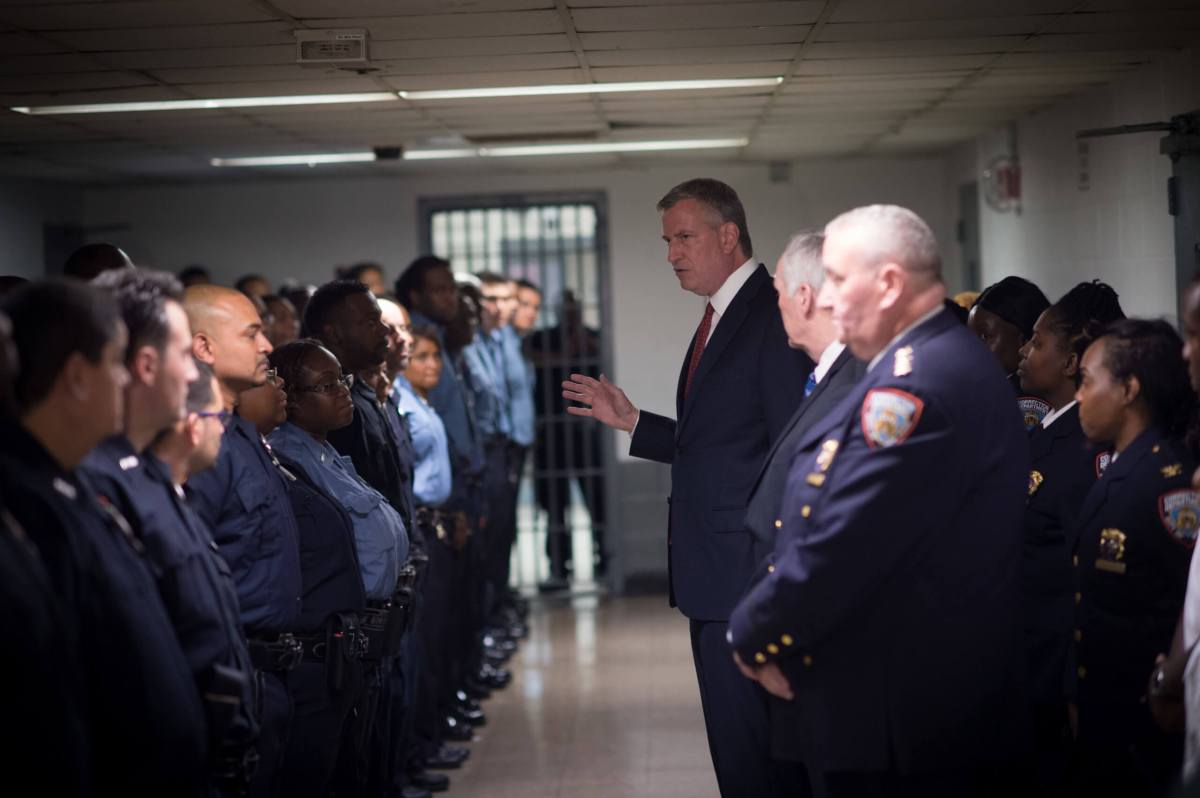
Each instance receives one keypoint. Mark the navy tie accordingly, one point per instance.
(811, 385)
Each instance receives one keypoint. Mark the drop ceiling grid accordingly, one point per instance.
(875, 64)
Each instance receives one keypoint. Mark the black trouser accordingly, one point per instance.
(577, 448)
(498, 536)
(274, 719)
(320, 719)
(434, 639)
(356, 763)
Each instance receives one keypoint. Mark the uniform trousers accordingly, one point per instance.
(433, 642)
(275, 719)
(319, 720)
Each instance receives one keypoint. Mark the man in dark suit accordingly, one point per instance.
(798, 279)
(893, 615)
(739, 385)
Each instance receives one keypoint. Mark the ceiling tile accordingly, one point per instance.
(672, 17)
(137, 14)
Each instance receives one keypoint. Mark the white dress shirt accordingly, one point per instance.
(1054, 415)
(825, 363)
(904, 332)
(725, 294)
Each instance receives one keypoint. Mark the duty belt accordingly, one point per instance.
(433, 521)
(316, 647)
(281, 654)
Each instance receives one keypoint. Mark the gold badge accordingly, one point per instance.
(1112, 551)
(1172, 471)
(1035, 481)
(825, 458)
(816, 480)
(903, 363)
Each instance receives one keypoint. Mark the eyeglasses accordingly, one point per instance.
(346, 381)
(224, 416)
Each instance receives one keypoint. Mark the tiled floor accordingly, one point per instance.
(603, 703)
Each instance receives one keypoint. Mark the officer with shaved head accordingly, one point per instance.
(891, 611)
(244, 500)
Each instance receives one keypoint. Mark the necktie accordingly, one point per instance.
(811, 384)
(698, 347)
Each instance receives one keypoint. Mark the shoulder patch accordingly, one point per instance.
(889, 416)
(1179, 511)
(1103, 459)
(1033, 410)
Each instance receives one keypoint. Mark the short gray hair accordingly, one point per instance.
(892, 233)
(800, 262)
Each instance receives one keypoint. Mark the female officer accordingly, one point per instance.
(1003, 318)
(1062, 470)
(1134, 537)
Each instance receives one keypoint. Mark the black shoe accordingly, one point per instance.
(465, 701)
(476, 689)
(409, 791)
(434, 782)
(454, 729)
(469, 718)
(448, 757)
(495, 678)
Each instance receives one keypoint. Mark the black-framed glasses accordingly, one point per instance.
(224, 416)
(346, 381)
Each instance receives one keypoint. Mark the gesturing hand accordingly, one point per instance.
(602, 401)
(769, 676)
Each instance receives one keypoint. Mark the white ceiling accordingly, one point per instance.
(862, 76)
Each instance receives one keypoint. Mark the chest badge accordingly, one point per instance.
(889, 416)
(1103, 460)
(824, 460)
(1179, 511)
(1033, 410)
(1112, 551)
(1035, 481)
(1172, 471)
(902, 365)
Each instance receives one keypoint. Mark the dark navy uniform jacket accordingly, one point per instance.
(243, 499)
(1135, 536)
(328, 559)
(370, 443)
(43, 731)
(194, 582)
(746, 388)
(145, 721)
(894, 606)
(1063, 468)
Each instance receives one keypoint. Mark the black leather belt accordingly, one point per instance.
(281, 654)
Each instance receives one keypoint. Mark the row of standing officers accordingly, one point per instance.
(236, 570)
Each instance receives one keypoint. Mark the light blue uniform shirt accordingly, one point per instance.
(520, 376)
(488, 388)
(449, 399)
(379, 533)
(432, 476)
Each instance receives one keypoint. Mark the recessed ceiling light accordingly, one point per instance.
(590, 88)
(521, 150)
(192, 105)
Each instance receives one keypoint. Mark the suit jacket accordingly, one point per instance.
(1062, 469)
(894, 606)
(766, 496)
(745, 389)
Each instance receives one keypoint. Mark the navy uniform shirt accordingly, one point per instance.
(144, 717)
(194, 582)
(1062, 469)
(43, 731)
(1135, 535)
(893, 608)
(243, 499)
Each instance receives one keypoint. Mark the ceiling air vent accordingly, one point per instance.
(345, 48)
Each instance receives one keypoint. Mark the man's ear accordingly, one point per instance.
(728, 235)
(893, 280)
(204, 348)
(807, 299)
(75, 377)
(144, 366)
(193, 427)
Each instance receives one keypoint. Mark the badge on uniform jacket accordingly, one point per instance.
(889, 416)
(1179, 511)
(1035, 481)
(1033, 410)
(1102, 462)
(1111, 551)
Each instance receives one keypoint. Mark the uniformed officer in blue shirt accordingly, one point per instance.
(145, 722)
(243, 499)
(192, 585)
(1133, 544)
(892, 615)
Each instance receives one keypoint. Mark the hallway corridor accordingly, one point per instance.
(603, 703)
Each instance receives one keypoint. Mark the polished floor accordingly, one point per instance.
(603, 703)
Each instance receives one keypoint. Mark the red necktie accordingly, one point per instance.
(698, 347)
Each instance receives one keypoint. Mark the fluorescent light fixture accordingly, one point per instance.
(224, 102)
(591, 88)
(296, 160)
(514, 151)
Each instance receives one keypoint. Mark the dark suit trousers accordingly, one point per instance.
(735, 717)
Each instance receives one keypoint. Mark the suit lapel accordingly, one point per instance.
(805, 404)
(727, 328)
